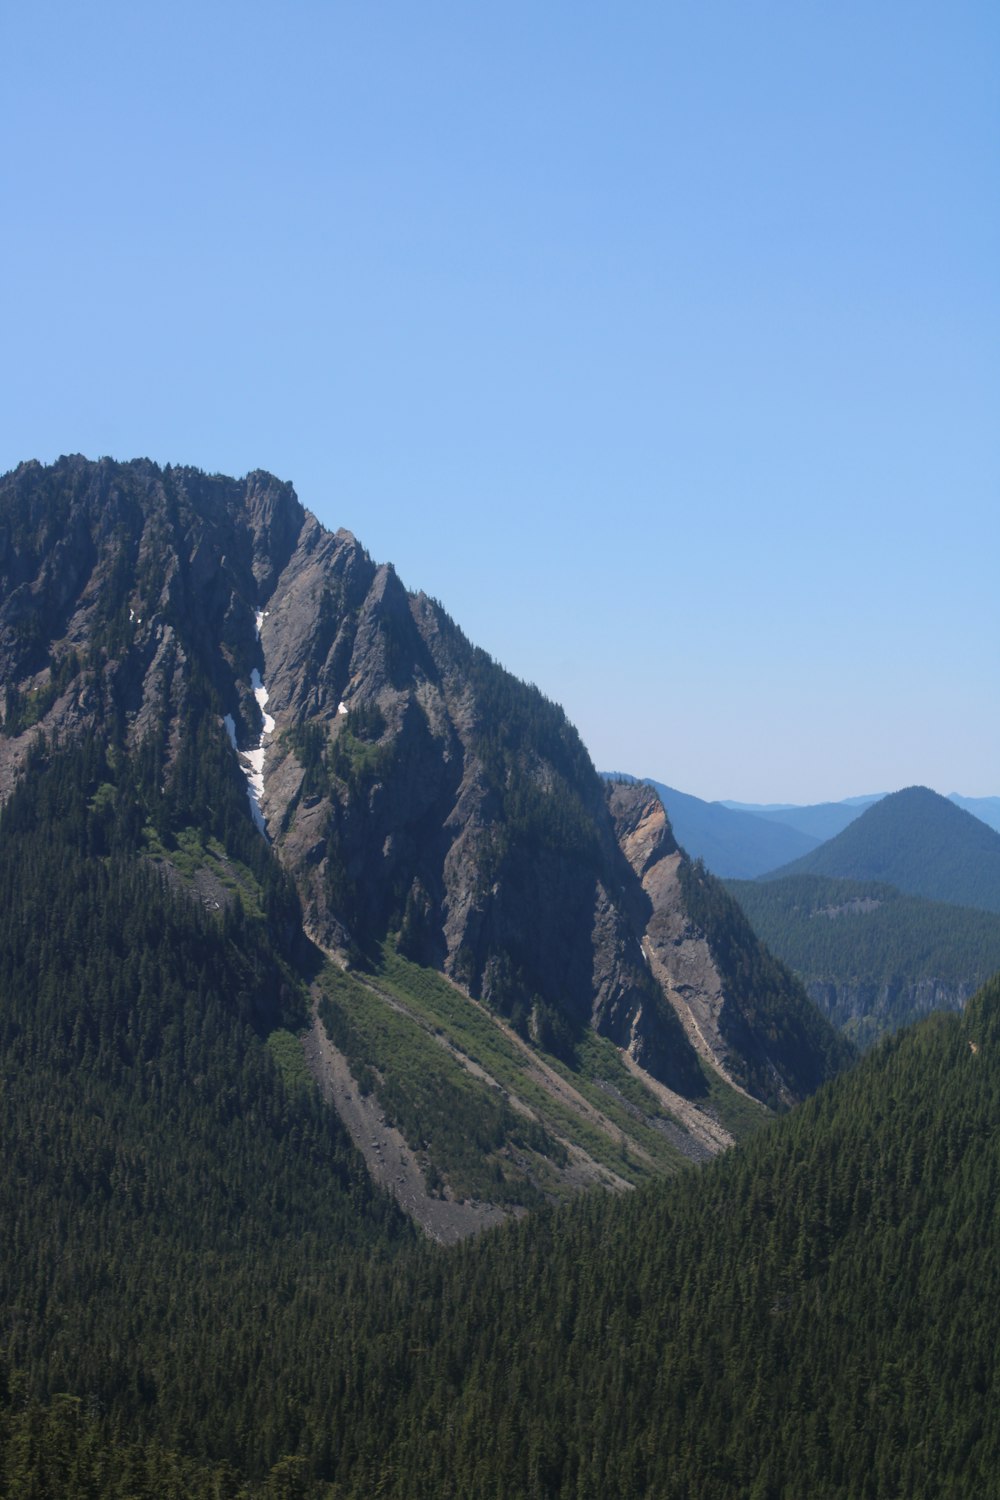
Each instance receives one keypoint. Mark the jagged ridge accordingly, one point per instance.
(409, 785)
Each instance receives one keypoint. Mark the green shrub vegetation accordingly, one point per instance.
(420, 1045)
(461, 1128)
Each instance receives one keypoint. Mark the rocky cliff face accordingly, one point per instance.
(744, 1015)
(406, 782)
(676, 949)
(866, 1009)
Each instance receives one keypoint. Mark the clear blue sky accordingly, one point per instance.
(661, 342)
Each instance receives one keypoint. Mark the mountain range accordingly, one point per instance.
(741, 840)
(318, 930)
(919, 842)
(892, 918)
(818, 820)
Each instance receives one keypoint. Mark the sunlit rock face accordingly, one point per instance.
(406, 782)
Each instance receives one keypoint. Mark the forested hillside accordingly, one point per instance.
(919, 842)
(871, 957)
(815, 1314)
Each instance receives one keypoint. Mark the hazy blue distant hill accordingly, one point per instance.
(732, 844)
(821, 820)
(918, 841)
(744, 840)
(987, 809)
(826, 819)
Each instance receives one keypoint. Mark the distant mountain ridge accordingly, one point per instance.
(820, 820)
(826, 819)
(918, 841)
(732, 844)
(987, 809)
(730, 838)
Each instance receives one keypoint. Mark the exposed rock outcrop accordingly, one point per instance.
(408, 784)
(865, 1009)
(745, 1015)
(677, 951)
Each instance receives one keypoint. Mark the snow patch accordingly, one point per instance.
(261, 693)
(252, 761)
(253, 770)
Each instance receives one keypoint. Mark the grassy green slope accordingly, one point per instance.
(493, 1115)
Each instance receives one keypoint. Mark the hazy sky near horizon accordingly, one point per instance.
(660, 342)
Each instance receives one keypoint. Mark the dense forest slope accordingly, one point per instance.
(872, 958)
(813, 1314)
(919, 842)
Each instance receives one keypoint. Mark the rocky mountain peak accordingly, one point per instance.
(411, 788)
(276, 518)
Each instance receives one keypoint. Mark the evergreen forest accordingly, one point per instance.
(203, 1291)
(918, 841)
(882, 956)
(203, 1295)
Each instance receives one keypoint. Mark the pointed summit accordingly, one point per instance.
(918, 841)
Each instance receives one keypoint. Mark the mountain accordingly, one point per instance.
(824, 820)
(987, 809)
(485, 955)
(872, 958)
(732, 844)
(820, 820)
(918, 841)
(204, 1290)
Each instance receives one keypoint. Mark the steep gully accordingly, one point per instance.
(252, 761)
